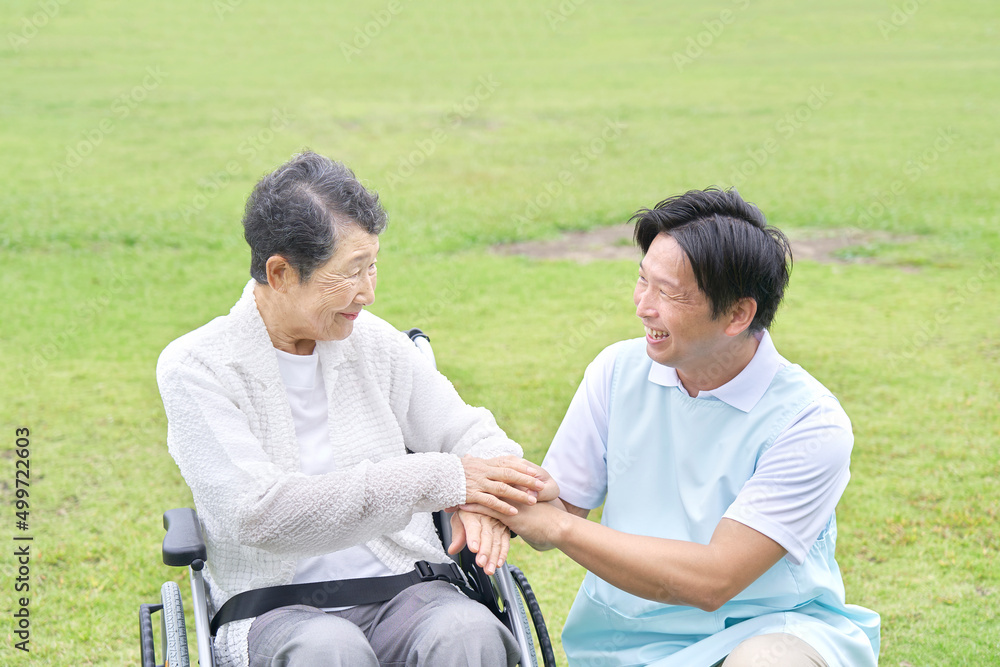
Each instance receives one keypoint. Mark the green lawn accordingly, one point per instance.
(132, 133)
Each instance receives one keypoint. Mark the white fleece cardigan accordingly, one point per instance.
(230, 430)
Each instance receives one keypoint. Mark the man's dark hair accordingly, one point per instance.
(733, 252)
(296, 210)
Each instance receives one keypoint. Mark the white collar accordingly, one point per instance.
(743, 391)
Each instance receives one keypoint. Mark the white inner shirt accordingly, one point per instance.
(303, 378)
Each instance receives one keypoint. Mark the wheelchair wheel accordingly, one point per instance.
(535, 612)
(526, 624)
(173, 630)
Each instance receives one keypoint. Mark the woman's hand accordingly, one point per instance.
(495, 483)
(485, 536)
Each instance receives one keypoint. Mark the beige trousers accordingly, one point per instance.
(773, 650)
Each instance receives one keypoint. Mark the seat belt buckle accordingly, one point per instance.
(449, 572)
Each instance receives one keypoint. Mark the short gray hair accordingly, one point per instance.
(295, 211)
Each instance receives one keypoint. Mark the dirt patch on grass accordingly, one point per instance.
(595, 244)
(615, 243)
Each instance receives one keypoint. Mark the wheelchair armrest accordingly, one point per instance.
(183, 543)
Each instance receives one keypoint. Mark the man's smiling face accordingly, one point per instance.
(680, 329)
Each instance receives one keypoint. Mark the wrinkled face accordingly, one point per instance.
(327, 305)
(677, 315)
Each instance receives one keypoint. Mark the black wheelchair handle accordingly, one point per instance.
(415, 333)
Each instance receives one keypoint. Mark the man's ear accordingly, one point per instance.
(280, 274)
(741, 316)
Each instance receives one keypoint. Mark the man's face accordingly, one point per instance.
(677, 315)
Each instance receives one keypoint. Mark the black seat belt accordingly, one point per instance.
(340, 593)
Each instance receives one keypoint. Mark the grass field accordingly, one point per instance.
(132, 133)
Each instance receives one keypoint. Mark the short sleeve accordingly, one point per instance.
(799, 480)
(577, 457)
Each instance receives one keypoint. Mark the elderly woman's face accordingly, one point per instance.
(333, 297)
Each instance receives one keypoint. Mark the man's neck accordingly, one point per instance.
(726, 364)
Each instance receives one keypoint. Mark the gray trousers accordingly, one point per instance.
(431, 623)
(774, 650)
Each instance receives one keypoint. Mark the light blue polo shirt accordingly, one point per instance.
(673, 466)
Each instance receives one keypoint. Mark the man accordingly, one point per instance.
(719, 464)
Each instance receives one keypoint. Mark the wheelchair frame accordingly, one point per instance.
(506, 593)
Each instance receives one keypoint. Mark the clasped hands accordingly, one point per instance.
(495, 486)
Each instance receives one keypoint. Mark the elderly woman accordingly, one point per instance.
(291, 419)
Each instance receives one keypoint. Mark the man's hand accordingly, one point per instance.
(497, 483)
(539, 525)
(551, 489)
(485, 536)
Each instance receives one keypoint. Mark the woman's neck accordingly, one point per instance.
(276, 316)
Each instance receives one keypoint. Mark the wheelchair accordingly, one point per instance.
(506, 593)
